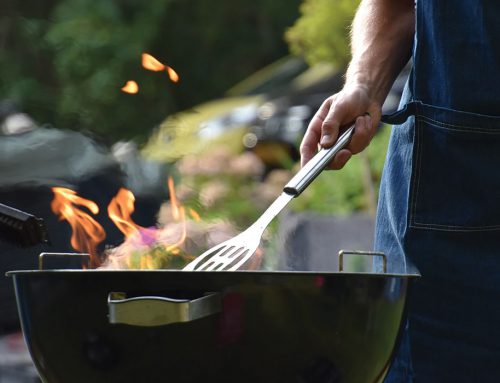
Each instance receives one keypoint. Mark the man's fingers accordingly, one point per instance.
(330, 128)
(306, 154)
(335, 112)
(340, 159)
(362, 136)
(363, 133)
(309, 145)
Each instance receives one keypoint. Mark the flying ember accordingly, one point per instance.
(172, 74)
(130, 87)
(151, 63)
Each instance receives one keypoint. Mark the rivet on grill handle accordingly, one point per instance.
(364, 253)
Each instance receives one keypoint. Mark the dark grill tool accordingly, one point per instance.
(20, 228)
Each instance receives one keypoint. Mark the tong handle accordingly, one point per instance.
(313, 168)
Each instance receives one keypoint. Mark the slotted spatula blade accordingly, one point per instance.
(233, 253)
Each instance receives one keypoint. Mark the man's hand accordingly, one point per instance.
(351, 105)
(381, 44)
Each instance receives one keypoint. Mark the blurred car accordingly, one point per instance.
(227, 118)
(281, 122)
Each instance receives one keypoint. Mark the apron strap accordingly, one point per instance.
(400, 116)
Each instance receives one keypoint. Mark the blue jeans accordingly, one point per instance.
(401, 370)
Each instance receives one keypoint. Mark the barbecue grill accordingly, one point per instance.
(241, 326)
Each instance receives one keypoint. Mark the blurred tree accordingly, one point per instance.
(96, 47)
(216, 44)
(322, 31)
(65, 61)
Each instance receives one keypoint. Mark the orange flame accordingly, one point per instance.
(145, 248)
(151, 63)
(120, 210)
(87, 233)
(176, 206)
(130, 87)
(179, 214)
(194, 215)
(172, 74)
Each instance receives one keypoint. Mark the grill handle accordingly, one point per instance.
(151, 311)
(373, 254)
(315, 166)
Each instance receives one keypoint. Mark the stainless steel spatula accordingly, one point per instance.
(233, 253)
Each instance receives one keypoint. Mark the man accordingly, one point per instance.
(440, 195)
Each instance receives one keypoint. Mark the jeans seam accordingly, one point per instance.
(455, 228)
(461, 128)
(414, 187)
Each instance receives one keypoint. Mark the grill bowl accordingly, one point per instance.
(280, 326)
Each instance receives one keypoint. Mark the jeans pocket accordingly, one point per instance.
(456, 178)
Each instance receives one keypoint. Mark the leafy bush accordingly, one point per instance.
(231, 185)
(321, 33)
(64, 61)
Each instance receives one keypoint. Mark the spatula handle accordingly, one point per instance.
(313, 168)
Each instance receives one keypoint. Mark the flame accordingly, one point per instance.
(143, 247)
(172, 74)
(148, 248)
(130, 87)
(120, 210)
(179, 214)
(176, 206)
(87, 233)
(194, 215)
(151, 63)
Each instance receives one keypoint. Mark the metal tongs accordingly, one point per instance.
(20, 228)
(233, 253)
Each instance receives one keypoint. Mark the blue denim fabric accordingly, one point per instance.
(457, 54)
(401, 370)
(391, 224)
(440, 196)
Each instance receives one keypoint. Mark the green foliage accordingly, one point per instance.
(322, 32)
(97, 49)
(216, 44)
(64, 61)
(225, 184)
(222, 184)
(73, 66)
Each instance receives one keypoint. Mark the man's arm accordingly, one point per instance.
(381, 43)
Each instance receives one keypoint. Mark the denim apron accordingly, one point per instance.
(440, 195)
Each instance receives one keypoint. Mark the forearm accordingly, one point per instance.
(381, 44)
(381, 41)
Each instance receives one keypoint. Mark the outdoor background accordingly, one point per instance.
(64, 63)
(220, 110)
(220, 114)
